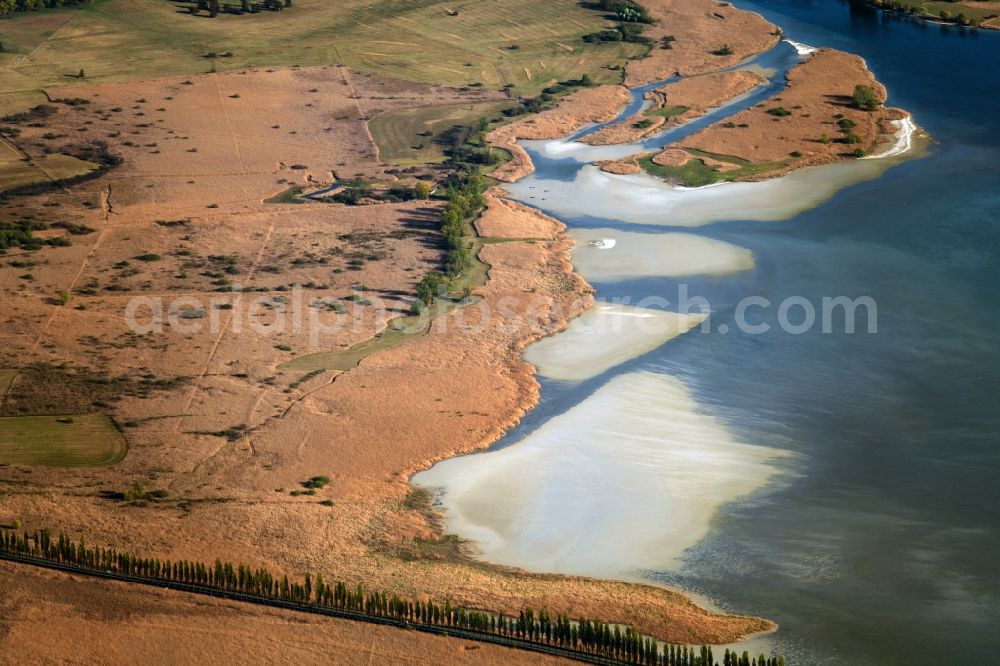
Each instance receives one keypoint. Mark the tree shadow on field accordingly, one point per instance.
(426, 222)
(840, 100)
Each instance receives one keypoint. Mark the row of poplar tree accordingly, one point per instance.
(588, 636)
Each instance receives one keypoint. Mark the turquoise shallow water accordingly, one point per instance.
(879, 545)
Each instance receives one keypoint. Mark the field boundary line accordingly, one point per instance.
(222, 333)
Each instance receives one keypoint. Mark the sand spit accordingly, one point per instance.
(587, 105)
(633, 128)
(505, 218)
(699, 27)
(815, 105)
(605, 336)
(638, 255)
(625, 166)
(639, 439)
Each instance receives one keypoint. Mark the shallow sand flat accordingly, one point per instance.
(605, 336)
(638, 255)
(605, 489)
(643, 199)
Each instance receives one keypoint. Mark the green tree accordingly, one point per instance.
(864, 97)
(429, 287)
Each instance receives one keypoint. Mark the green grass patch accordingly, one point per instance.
(475, 275)
(696, 173)
(398, 332)
(411, 136)
(77, 440)
(20, 102)
(667, 111)
(15, 171)
(289, 196)
(120, 40)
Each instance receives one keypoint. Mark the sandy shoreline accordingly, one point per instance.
(903, 140)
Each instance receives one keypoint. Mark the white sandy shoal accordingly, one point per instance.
(624, 482)
(604, 336)
(802, 49)
(902, 141)
(644, 199)
(638, 255)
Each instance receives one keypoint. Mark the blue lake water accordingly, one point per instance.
(883, 548)
(880, 543)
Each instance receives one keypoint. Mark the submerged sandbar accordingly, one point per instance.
(622, 483)
(605, 336)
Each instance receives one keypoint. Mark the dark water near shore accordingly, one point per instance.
(880, 545)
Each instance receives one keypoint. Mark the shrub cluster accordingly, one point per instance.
(626, 10)
(11, 6)
(623, 32)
